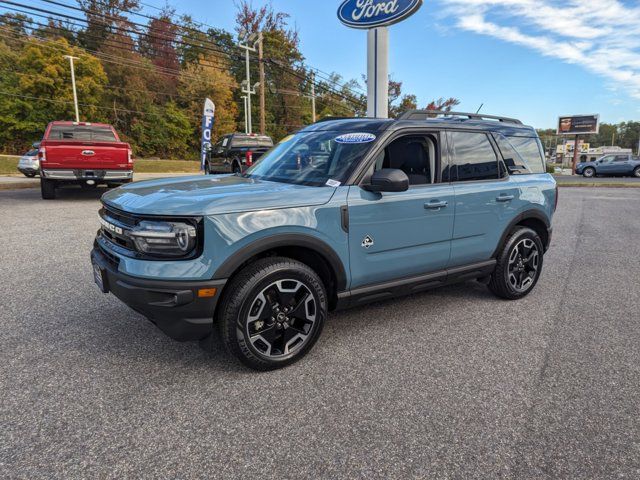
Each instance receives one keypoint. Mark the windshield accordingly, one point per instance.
(313, 158)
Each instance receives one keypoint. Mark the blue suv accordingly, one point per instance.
(342, 213)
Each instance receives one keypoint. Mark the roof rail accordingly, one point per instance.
(329, 118)
(424, 114)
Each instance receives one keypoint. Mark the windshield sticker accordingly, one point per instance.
(332, 183)
(356, 138)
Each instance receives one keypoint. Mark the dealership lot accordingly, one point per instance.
(453, 383)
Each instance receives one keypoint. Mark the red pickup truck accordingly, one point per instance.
(82, 153)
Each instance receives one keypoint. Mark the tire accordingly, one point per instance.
(258, 321)
(515, 275)
(236, 168)
(589, 172)
(47, 189)
(636, 172)
(30, 174)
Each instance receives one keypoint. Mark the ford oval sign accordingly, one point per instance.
(376, 13)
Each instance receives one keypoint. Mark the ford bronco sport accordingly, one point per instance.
(342, 213)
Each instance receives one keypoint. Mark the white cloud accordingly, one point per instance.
(602, 36)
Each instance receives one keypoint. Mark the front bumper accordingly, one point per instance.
(173, 306)
(97, 175)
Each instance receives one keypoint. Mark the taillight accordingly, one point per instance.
(129, 156)
(42, 154)
(249, 158)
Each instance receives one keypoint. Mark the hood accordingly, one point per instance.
(212, 194)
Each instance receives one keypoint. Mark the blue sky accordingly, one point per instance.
(531, 59)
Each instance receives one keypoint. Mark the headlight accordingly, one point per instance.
(167, 239)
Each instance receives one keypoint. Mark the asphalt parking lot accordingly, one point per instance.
(453, 383)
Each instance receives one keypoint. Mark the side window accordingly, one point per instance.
(606, 159)
(415, 155)
(621, 158)
(512, 159)
(530, 149)
(474, 157)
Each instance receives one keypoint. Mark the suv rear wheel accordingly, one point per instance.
(636, 172)
(47, 189)
(274, 313)
(519, 265)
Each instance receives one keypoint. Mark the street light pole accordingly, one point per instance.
(73, 83)
(246, 124)
(248, 46)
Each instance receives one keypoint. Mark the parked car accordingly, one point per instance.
(342, 213)
(29, 165)
(611, 165)
(235, 152)
(82, 153)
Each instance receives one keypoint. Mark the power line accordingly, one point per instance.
(217, 48)
(169, 39)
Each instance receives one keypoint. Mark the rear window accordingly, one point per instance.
(246, 141)
(529, 158)
(81, 133)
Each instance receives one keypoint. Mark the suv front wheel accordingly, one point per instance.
(519, 265)
(273, 313)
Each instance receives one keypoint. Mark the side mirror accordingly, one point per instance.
(388, 180)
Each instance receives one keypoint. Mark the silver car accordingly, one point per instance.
(29, 163)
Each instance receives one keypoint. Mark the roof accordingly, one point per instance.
(376, 125)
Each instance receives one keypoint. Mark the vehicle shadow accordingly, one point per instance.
(133, 336)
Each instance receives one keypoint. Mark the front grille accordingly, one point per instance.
(116, 228)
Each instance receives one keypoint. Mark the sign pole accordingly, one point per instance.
(575, 156)
(378, 72)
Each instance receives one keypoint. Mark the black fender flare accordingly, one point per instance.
(231, 265)
(527, 214)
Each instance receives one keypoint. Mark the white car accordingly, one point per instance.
(29, 163)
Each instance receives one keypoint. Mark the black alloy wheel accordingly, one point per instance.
(523, 265)
(272, 312)
(518, 264)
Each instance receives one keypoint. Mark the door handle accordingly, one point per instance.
(505, 198)
(436, 204)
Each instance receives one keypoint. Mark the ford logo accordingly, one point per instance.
(376, 13)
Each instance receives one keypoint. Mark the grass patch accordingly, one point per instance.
(165, 166)
(9, 165)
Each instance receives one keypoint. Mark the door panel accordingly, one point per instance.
(483, 211)
(395, 235)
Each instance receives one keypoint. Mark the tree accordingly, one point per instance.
(40, 90)
(163, 132)
(104, 19)
(199, 81)
(285, 73)
(443, 105)
(158, 45)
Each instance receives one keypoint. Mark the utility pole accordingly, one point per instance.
(248, 46)
(73, 84)
(575, 156)
(313, 97)
(262, 85)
